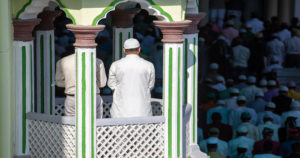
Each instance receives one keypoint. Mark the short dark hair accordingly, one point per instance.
(132, 50)
(216, 116)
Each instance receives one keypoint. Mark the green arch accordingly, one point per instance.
(59, 4)
(112, 5)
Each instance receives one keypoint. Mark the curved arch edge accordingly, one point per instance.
(23, 9)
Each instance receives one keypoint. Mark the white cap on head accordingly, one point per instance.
(220, 78)
(221, 38)
(131, 43)
(234, 91)
(220, 102)
(212, 140)
(271, 83)
(201, 39)
(242, 78)
(242, 129)
(251, 79)
(263, 82)
(271, 105)
(241, 98)
(260, 94)
(291, 84)
(214, 66)
(295, 104)
(283, 89)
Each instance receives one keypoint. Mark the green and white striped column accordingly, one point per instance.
(120, 35)
(24, 80)
(45, 62)
(190, 37)
(173, 86)
(85, 48)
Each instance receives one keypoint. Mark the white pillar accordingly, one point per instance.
(173, 86)
(24, 74)
(45, 63)
(85, 48)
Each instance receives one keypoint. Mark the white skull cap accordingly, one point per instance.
(241, 98)
(234, 91)
(131, 43)
(260, 94)
(271, 83)
(283, 89)
(242, 77)
(214, 66)
(220, 102)
(271, 105)
(251, 79)
(295, 104)
(263, 82)
(242, 129)
(220, 78)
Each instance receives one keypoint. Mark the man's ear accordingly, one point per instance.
(139, 49)
(124, 50)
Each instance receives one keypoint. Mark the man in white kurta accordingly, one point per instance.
(131, 78)
(65, 77)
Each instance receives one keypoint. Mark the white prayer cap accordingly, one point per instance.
(242, 145)
(201, 39)
(234, 91)
(248, 25)
(260, 94)
(271, 83)
(220, 78)
(263, 82)
(221, 38)
(295, 104)
(131, 43)
(283, 89)
(291, 84)
(241, 98)
(268, 115)
(230, 22)
(242, 129)
(271, 105)
(242, 78)
(251, 79)
(220, 102)
(214, 66)
(243, 30)
(212, 140)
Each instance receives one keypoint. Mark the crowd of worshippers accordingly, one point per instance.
(247, 117)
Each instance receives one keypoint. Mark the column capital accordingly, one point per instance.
(123, 18)
(85, 35)
(193, 27)
(23, 29)
(172, 31)
(47, 18)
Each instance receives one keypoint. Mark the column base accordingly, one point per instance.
(195, 152)
(22, 156)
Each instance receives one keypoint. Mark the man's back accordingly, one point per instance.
(131, 78)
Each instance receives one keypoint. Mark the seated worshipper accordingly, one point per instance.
(131, 78)
(222, 148)
(268, 147)
(241, 82)
(213, 72)
(212, 146)
(235, 114)
(226, 93)
(220, 84)
(259, 103)
(294, 112)
(268, 123)
(282, 101)
(267, 136)
(225, 130)
(253, 132)
(65, 77)
(269, 110)
(263, 85)
(220, 109)
(286, 147)
(295, 151)
(292, 93)
(251, 89)
(241, 139)
(272, 91)
(231, 103)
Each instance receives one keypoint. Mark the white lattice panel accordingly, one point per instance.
(107, 102)
(51, 140)
(131, 141)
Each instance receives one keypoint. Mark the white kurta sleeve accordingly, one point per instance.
(152, 77)
(112, 79)
(101, 74)
(59, 75)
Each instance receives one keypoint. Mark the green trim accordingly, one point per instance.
(51, 89)
(120, 44)
(170, 104)
(42, 73)
(93, 111)
(129, 35)
(194, 94)
(185, 70)
(164, 85)
(178, 103)
(31, 78)
(23, 99)
(76, 105)
(23, 9)
(83, 102)
(69, 15)
(112, 6)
